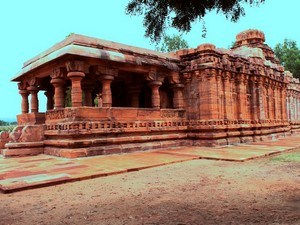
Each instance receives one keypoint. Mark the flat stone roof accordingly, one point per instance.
(81, 45)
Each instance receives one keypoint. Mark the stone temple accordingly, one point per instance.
(104, 97)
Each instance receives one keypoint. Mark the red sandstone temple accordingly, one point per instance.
(105, 97)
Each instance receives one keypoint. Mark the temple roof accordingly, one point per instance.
(81, 45)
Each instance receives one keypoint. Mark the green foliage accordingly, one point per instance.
(289, 56)
(7, 128)
(180, 14)
(287, 157)
(3, 123)
(173, 43)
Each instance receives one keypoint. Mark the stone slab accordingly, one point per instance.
(28, 172)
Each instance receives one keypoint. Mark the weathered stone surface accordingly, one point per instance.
(126, 99)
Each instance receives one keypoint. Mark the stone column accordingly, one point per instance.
(242, 98)
(155, 98)
(34, 102)
(88, 89)
(134, 96)
(227, 97)
(106, 90)
(178, 102)
(76, 72)
(254, 101)
(59, 92)
(260, 100)
(49, 94)
(76, 91)
(24, 104)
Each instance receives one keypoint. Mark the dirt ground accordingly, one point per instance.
(261, 191)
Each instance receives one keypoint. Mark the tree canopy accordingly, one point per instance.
(173, 43)
(289, 56)
(160, 14)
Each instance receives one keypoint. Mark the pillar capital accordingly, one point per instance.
(105, 70)
(106, 77)
(75, 74)
(22, 85)
(76, 66)
(155, 83)
(32, 88)
(180, 86)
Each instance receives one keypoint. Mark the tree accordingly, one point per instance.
(160, 14)
(289, 56)
(173, 43)
(3, 123)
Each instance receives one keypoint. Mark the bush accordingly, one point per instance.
(7, 128)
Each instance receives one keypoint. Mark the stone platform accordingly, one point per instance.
(23, 173)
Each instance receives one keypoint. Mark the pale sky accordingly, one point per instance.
(29, 27)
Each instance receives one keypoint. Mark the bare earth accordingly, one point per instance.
(261, 191)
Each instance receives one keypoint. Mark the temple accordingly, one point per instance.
(105, 97)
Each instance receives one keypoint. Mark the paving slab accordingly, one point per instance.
(43, 170)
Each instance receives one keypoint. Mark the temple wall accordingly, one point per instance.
(293, 103)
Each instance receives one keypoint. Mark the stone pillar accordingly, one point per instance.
(88, 89)
(218, 96)
(24, 104)
(155, 98)
(59, 92)
(227, 97)
(260, 100)
(242, 98)
(76, 91)
(106, 90)
(254, 101)
(178, 102)
(34, 102)
(50, 103)
(134, 96)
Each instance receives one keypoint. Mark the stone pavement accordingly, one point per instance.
(22, 173)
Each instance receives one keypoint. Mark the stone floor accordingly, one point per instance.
(23, 173)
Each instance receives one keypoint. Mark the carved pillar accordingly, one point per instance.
(260, 100)
(49, 94)
(178, 102)
(76, 91)
(76, 72)
(106, 90)
(254, 101)
(134, 92)
(59, 88)
(242, 98)
(34, 102)
(227, 96)
(155, 98)
(24, 94)
(88, 87)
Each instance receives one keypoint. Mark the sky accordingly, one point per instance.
(29, 27)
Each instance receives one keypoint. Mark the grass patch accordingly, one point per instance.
(287, 157)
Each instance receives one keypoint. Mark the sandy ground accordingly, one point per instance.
(261, 191)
